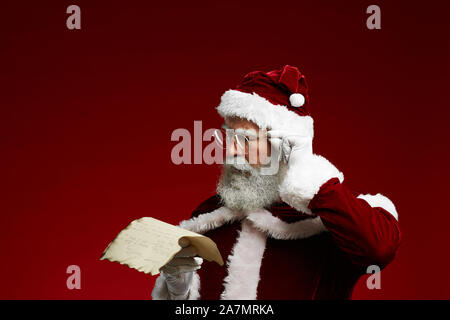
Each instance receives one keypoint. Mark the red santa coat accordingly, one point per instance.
(286, 252)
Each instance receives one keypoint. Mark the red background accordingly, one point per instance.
(87, 115)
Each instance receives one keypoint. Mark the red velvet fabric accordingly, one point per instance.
(325, 266)
(276, 86)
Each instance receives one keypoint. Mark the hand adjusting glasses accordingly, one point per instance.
(241, 138)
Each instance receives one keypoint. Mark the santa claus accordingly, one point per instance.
(297, 232)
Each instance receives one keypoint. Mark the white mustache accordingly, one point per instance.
(238, 162)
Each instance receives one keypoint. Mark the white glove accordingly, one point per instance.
(179, 271)
(294, 147)
(306, 172)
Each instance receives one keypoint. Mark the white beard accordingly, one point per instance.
(242, 187)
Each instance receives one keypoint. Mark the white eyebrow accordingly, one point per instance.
(247, 132)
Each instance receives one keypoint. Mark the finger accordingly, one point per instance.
(275, 148)
(184, 242)
(284, 134)
(287, 149)
(275, 143)
(196, 261)
(305, 146)
(276, 134)
(190, 251)
(297, 140)
(297, 135)
(179, 269)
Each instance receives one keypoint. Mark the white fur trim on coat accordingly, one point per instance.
(245, 260)
(380, 201)
(160, 291)
(265, 114)
(244, 264)
(211, 220)
(278, 229)
(262, 220)
(304, 179)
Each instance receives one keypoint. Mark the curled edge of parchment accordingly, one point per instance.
(153, 272)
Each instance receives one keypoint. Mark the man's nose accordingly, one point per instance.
(233, 150)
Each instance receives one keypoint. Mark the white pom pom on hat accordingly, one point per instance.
(297, 100)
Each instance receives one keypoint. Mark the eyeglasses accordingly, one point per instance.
(239, 137)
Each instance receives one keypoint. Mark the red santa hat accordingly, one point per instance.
(275, 100)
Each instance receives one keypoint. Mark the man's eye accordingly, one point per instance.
(245, 137)
(249, 138)
(241, 140)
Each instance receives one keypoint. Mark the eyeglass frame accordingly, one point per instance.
(248, 135)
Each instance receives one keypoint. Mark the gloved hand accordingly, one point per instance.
(306, 172)
(294, 147)
(179, 271)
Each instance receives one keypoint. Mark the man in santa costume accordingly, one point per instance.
(296, 233)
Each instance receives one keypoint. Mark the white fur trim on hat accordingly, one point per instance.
(266, 115)
(303, 181)
(380, 201)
